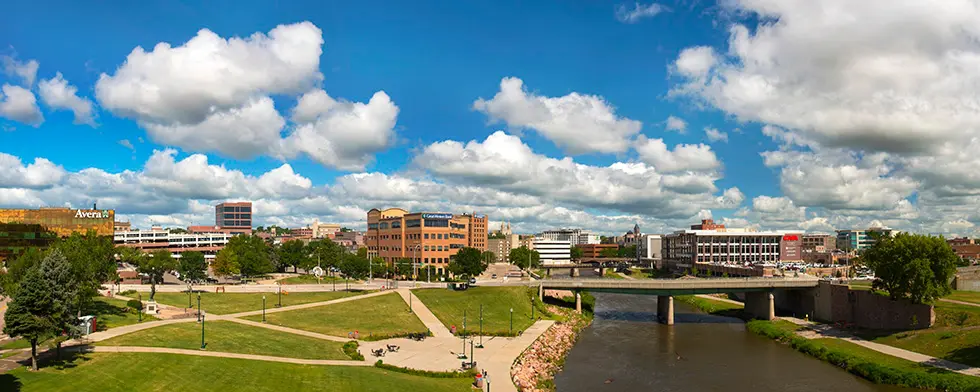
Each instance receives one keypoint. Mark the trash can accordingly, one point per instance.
(478, 380)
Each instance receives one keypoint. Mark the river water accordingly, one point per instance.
(626, 349)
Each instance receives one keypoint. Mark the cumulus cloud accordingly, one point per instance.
(676, 124)
(576, 122)
(639, 11)
(341, 134)
(684, 157)
(27, 71)
(126, 143)
(714, 135)
(19, 104)
(58, 94)
(38, 175)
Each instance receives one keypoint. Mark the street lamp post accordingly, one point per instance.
(279, 305)
(189, 295)
(263, 308)
(203, 345)
(481, 327)
(198, 307)
(511, 320)
(415, 264)
(139, 312)
(370, 269)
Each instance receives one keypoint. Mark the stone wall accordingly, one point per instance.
(967, 279)
(838, 303)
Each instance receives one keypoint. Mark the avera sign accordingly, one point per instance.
(92, 214)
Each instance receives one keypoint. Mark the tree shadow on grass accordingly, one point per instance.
(9, 383)
(965, 355)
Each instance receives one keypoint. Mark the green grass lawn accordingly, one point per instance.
(710, 306)
(965, 296)
(111, 313)
(374, 318)
(227, 336)
(227, 303)
(310, 279)
(448, 306)
(171, 372)
(611, 274)
(955, 335)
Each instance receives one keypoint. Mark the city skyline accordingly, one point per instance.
(597, 116)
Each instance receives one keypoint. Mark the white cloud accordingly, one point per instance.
(19, 104)
(187, 84)
(126, 143)
(24, 70)
(715, 135)
(38, 175)
(684, 157)
(639, 11)
(695, 62)
(576, 122)
(341, 134)
(58, 94)
(676, 124)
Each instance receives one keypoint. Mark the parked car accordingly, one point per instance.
(494, 276)
(472, 280)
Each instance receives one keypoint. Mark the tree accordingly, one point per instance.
(192, 267)
(488, 257)
(626, 251)
(17, 268)
(403, 267)
(577, 253)
(362, 252)
(245, 255)
(293, 253)
(468, 262)
(913, 266)
(155, 266)
(225, 264)
(92, 260)
(177, 230)
(57, 273)
(325, 252)
(606, 240)
(524, 258)
(609, 252)
(354, 267)
(30, 314)
(345, 230)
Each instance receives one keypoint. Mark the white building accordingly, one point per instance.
(553, 252)
(572, 236)
(650, 249)
(158, 238)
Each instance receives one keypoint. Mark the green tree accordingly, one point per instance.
(249, 254)
(225, 264)
(577, 253)
(293, 253)
(345, 230)
(92, 260)
(468, 262)
(403, 267)
(627, 251)
(524, 258)
(155, 266)
(31, 313)
(177, 230)
(913, 266)
(192, 267)
(493, 236)
(17, 268)
(609, 252)
(362, 252)
(488, 257)
(325, 252)
(57, 273)
(354, 267)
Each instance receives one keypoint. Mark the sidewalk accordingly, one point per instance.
(425, 315)
(817, 331)
(719, 299)
(953, 301)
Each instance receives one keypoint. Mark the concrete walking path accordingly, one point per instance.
(205, 353)
(719, 299)
(627, 277)
(425, 315)
(816, 331)
(953, 301)
(301, 306)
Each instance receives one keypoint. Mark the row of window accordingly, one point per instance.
(738, 259)
(237, 209)
(738, 249)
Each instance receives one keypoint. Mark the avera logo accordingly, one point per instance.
(105, 214)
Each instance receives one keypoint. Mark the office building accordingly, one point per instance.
(819, 243)
(683, 248)
(572, 236)
(23, 228)
(158, 238)
(501, 247)
(428, 238)
(859, 240)
(591, 251)
(631, 237)
(650, 249)
(553, 252)
(234, 217)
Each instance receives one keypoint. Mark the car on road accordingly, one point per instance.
(472, 280)
(494, 276)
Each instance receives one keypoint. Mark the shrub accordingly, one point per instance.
(128, 293)
(135, 304)
(350, 348)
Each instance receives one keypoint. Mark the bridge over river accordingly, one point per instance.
(758, 291)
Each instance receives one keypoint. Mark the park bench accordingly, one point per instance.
(379, 352)
(393, 348)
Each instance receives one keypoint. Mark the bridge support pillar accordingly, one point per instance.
(602, 271)
(541, 292)
(578, 303)
(574, 272)
(760, 305)
(665, 309)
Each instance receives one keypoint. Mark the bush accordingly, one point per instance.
(350, 348)
(135, 304)
(425, 373)
(128, 293)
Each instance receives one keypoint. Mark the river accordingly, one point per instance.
(626, 349)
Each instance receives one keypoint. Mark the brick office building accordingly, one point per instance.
(427, 238)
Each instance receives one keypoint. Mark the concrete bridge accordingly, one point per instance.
(586, 263)
(758, 291)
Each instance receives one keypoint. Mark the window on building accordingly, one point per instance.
(413, 223)
(372, 226)
(426, 248)
(426, 235)
(396, 224)
(383, 225)
(437, 223)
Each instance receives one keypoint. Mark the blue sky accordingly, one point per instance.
(790, 144)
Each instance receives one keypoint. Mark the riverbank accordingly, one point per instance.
(866, 363)
(535, 369)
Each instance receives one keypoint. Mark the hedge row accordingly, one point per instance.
(426, 373)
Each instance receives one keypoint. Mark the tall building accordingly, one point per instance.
(859, 240)
(572, 236)
(501, 247)
(553, 252)
(21, 228)
(819, 242)
(683, 248)
(427, 238)
(650, 249)
(234, 217)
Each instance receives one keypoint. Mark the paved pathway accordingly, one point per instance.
(205, 353)
(627, 277)
(302, 306)
(423, 313)
(719, 299)
(953, 301)
(815, 331)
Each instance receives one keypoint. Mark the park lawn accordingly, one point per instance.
(373, 318)
(611, 273)
(448, 306)
(310, 279)
(965, 296)
(171, 372)
(711, 306)
(955, 335)
(231, 337)
(228, 303)
(111, 313)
